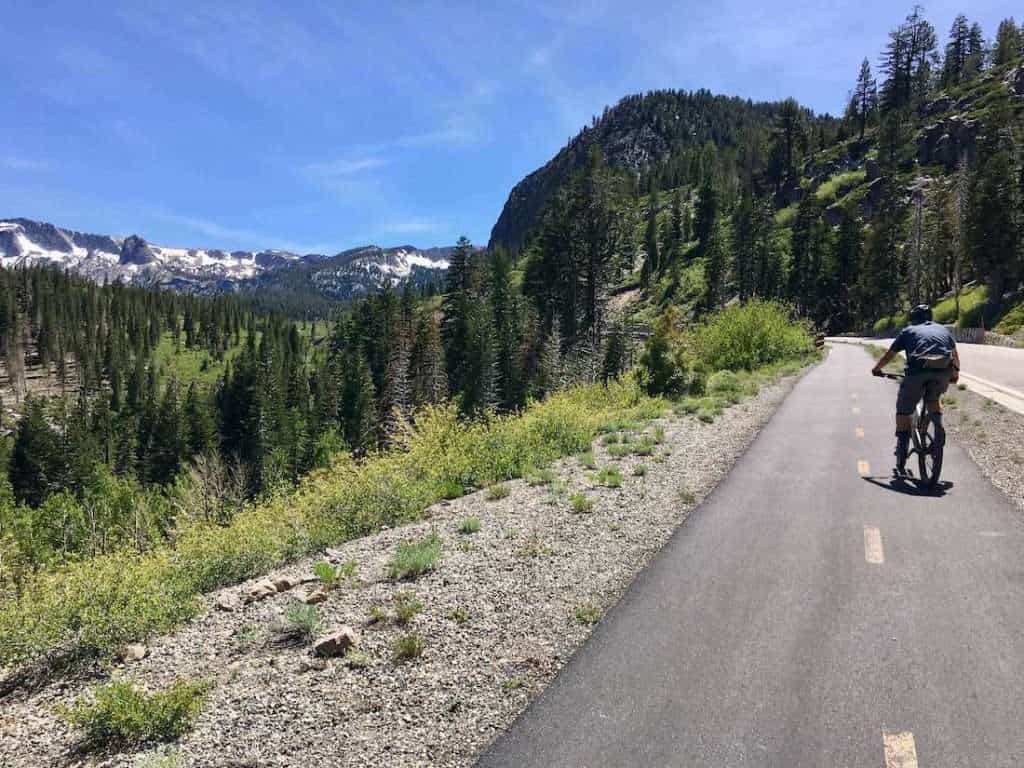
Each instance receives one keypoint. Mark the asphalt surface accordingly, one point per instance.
(808, 616)
(1003, 366)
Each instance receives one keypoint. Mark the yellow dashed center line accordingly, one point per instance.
(873, 545)
(863, 468)
(899, 750)
(859, 431)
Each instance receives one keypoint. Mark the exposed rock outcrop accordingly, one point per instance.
(947, 141)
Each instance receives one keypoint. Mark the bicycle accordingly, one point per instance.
(928, 436)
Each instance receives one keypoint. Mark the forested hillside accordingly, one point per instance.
(913, 193)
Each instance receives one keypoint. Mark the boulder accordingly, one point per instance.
(789, 194)
(937, 106)
(873, 197)
(134, 652)
(259, 591)
(834, 215)
(1015, 81)
(225, 603)
(284, 583)
(871, 168)
(947, 142)
(317, 595)
(337, 643)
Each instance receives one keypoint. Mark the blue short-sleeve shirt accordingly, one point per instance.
(918, 341)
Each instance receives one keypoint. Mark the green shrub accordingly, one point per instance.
(640, 470)
(1011, 321)
(587, 613)
(724, 383)
(751, 335)
(666, 363)
(581, 504)
(610, 477)
(300, 625)
(327, 574)
(408, 647)
(621, 450)
(497, 492)
(708, 415)
(838, 185)
(120, 714)
(451, 489)
(406, 607)
(415, 558)
(586, 460)
(644, 447)
(535, 477)
(688, 405)
(469, 525)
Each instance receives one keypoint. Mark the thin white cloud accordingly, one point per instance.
(233, 237)
(332, 169)
(25, 164)
(414, 225)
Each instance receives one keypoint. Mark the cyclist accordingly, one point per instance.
(932, 365)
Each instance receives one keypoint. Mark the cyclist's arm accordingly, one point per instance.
(885, 359)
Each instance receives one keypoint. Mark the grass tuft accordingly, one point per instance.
(415, 558)
(581, 504)
(408, 647)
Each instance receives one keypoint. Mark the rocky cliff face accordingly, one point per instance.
(639, 131)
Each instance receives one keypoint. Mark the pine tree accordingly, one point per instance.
(706, 218)
(954, 69)
(35, 471)
(1009, 42)
(865, 98)
(653, 261)
(456, 307)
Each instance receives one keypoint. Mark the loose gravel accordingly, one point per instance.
(502, 612)
(994, 437)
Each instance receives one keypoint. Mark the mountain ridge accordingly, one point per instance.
(132, 259)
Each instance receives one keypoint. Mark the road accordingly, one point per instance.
(808, 614)
(995, 372)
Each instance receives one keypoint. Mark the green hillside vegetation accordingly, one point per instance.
(92, 607)
(913, 193)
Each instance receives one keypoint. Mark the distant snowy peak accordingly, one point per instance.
(24, 242)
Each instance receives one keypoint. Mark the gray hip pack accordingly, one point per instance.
(934, 362)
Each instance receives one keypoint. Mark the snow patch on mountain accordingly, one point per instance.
(24, 242)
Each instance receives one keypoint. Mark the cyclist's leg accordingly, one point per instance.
(935, 387)
(911, 391)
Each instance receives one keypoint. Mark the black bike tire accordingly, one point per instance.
(933, 448)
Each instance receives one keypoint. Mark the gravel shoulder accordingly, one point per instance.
(993, 436)
(503, 611)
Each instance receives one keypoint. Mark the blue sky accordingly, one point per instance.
(315, 126)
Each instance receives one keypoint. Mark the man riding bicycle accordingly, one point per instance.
(932, 365)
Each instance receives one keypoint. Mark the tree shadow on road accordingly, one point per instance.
(909, 486)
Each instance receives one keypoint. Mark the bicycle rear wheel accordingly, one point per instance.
(928, 441)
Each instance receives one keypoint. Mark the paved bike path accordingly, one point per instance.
(806, 616)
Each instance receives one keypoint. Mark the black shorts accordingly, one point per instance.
(927, 384)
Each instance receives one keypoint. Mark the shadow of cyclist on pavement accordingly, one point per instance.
(909, 486)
